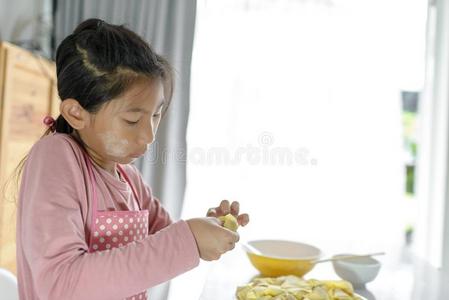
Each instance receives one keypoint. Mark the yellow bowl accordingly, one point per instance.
(277, 257)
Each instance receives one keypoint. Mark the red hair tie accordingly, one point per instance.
(50, 122)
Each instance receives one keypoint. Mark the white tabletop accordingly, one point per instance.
(402, 277)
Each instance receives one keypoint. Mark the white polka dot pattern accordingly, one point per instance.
(115, 230)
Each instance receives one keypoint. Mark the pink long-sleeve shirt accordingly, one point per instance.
(54, 221)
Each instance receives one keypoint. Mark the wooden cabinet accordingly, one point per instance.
(27, 94)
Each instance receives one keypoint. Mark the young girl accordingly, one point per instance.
(88, 227)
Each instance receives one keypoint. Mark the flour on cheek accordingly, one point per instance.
(114, 145)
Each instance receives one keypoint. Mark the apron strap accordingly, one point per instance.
(92, 179)
(130, 184)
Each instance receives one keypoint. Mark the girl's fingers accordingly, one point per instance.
(243, 219)
(224, 208)
(235, 207)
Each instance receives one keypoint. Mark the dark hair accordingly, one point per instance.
(99, 61)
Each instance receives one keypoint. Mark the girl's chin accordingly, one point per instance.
(124, 160)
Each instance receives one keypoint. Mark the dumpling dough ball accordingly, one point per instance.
(229, 222)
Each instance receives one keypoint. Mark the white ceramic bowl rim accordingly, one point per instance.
(370, 261)
(315, 254)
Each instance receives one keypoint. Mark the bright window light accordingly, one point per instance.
(296, 113)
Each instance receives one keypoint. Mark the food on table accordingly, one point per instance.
(229, 222)
(295, 288)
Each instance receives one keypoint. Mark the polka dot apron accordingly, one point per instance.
(114, 229)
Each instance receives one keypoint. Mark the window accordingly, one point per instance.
(296, 112)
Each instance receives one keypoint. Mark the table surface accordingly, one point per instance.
(402, 277)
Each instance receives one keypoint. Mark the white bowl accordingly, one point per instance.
(358, 271)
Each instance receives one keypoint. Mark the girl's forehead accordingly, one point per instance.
(144, 95)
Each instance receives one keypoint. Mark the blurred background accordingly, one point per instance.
(325, 119)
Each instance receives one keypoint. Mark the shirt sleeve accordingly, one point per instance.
(159, 217)
(53, 236)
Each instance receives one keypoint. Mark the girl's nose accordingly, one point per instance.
(147, 136)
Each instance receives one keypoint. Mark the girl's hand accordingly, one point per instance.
(226, 208)
(212, 239)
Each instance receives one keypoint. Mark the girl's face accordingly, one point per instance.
(124, 127)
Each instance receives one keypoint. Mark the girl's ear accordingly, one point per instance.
(74, 113)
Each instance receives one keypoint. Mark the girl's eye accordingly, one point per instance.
(156, 115)
(131, 123)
